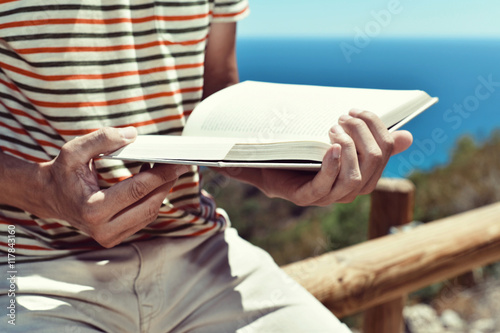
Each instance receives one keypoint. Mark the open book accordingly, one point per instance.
(258, 124)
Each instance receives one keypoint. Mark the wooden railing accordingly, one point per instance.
(376, 275)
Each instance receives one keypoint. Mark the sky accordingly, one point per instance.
(388, 18)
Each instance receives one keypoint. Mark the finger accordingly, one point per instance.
(375, 157)
(378, 130)
(370, 157)
(397, 143)
(134, 218)
(322, 183)
(349, 177)
(130, 191)
(82, 149)
(402, 141)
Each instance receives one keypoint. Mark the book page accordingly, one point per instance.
(153, 147)
(269, 111)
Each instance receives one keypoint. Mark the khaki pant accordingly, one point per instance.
(216, 284)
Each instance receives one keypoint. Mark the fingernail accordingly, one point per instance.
(337, 129)
(344, 117)
(128, 133)
(336, 148)
(355, 112)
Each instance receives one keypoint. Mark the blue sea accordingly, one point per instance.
(463, 73)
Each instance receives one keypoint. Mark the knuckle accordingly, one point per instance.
(106, 241)
(101, 136)
(375, 154)
(97, 234)
(319, 193)
(355, 180)
(345, 141)
(305, 198)
(168, 178)
(299, 200)
(368, 116)
(164, 174)
(388, 143)
(105, 133)
(91, 217)
(138, 190)
(98, 237)
(355, 123)
(105, 237)
(65, 154)
(65, 150)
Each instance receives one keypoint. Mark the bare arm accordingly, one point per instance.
(13, 173)
(221, 69)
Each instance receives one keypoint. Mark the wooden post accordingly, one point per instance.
(392, 204)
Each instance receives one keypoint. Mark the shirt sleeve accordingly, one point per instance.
(229, 10)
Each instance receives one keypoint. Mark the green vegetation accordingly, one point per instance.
(470, 180)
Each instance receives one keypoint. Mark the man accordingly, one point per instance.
(119, 247)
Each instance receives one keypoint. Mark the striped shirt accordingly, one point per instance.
(68, 68)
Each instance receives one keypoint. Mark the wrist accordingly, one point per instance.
(22, 183)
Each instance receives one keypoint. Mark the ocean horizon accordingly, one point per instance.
(463, 73)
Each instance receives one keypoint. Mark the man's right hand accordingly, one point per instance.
(69, 189)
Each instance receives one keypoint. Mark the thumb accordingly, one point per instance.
(402, 141)
(104, 140)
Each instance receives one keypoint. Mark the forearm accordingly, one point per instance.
(221, 68)
(20, 182)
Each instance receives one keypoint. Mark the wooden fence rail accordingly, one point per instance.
(387, 268)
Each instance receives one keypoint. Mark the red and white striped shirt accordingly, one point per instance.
(68, 68)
